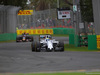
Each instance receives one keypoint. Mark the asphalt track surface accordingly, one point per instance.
(18, 58)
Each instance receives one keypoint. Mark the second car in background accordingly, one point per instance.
(24, 38)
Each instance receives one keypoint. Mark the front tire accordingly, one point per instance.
(37, 47)
(33, 46)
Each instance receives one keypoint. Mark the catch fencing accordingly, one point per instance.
(8, 22)
(48, 19)
(43, 19)
(8, 19)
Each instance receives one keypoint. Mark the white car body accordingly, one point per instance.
(46, 43)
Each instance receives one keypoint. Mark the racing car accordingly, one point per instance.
(46, 43)
(24, 38)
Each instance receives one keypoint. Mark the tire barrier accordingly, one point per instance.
(83, 40)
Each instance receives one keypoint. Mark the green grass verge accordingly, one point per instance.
(67, 47)
(7, 41)
(60, 35)
(54, 35)
(73, 48)
(82, 73)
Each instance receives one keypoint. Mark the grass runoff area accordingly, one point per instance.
(54, 35)
(7, 41)
(67, 46)
(73, 73)
(73, 48)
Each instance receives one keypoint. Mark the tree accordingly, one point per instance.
(46, 4)
(86, 10)
(21, 3)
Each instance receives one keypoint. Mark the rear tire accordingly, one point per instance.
(17, 38)
(31, 39)
(61, 44)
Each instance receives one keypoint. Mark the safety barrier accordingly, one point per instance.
(8, 36)
(47, 31)
(87, 40)
(71, 39)
(35, 31)
(98, 41)
(12, 36)
(92, 42)
(63, 31)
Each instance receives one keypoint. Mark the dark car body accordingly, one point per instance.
(24, 38)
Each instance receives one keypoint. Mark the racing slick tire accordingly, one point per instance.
(61, 44)
(31, 39)
(35, 47)
(17, 38)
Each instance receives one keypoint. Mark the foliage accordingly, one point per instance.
(21, 3)
(86, 10)
(48, 4)
(44, 4)
(37, 4)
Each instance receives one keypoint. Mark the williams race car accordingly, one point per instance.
(24, 38)
(46, 43)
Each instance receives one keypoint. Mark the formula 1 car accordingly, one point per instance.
(46, 43)
(24, 38)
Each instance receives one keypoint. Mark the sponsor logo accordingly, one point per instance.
(25, 12)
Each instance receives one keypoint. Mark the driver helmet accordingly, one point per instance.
(47, 39)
